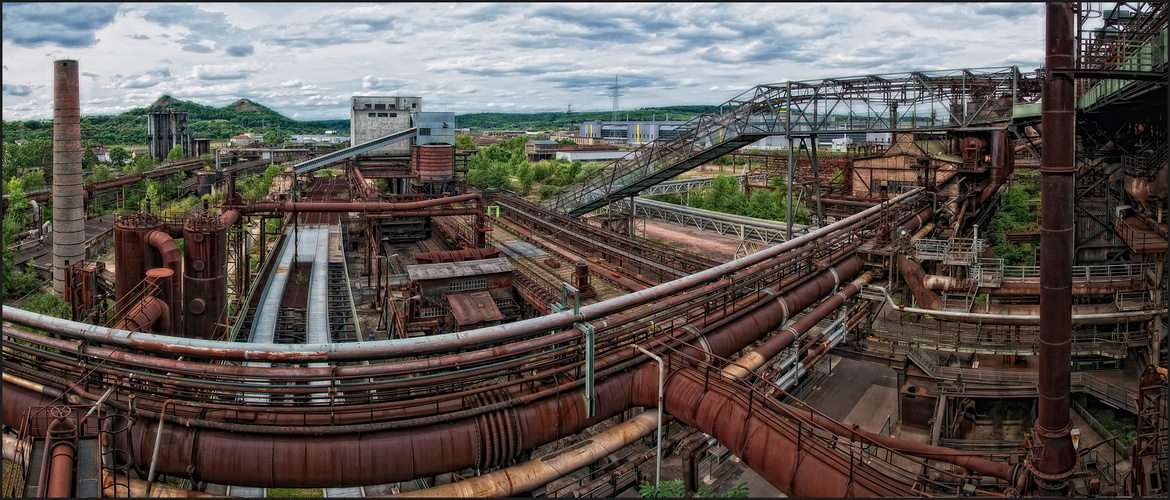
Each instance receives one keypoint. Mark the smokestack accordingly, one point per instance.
(1051, 457)
(68, 197)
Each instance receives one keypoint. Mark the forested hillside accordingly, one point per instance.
(562, 121)
(129, 128)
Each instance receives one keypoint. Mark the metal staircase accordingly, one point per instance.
(965, 98)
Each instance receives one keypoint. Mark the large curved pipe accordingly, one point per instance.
(1091, 316)
(947, 283)
(915, 277)
(172, 258)
(536, 422)
(533, 474)
(422, 345)
(149, 310)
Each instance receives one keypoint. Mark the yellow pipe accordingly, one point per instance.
(539, 472)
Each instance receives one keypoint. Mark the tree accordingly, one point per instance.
(176, 153)
(525, 175)
(208, 161)
(143, 163)
(464, 142)
(33, 180)
(119, 156)
(14, 222)
(100, 173)
(88, 159)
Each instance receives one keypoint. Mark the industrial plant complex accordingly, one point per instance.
(373, 325)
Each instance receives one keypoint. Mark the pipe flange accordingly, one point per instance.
(1042, 431)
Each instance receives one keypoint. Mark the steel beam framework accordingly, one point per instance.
(962, 99)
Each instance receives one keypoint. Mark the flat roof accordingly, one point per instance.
(458, 269)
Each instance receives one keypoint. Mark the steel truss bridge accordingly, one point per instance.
(961, 99)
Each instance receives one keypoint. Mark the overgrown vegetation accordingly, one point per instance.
(505, 166)
(1016, 216)
(726, 195)
(674, 489)
(255, 187)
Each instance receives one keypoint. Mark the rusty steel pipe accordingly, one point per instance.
(60, 449)
(1052, 458)
(422, 345)
(149, 310)
(915, 278)
(533, 474)
(1104, 287)
(753, 360)
(290, 206)
(172, 258)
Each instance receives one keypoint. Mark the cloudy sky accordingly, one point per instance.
(306, 59)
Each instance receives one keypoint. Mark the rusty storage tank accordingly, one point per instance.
(434, 162)
(204, 276)
(133, 255)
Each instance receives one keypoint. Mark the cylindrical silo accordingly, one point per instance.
(204, 276)
(435, 162)
(68, 193)
(132, 254)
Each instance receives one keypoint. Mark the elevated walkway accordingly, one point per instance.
(967, 99)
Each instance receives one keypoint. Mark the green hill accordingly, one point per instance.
(129, 128)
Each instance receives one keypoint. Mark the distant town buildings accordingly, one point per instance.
(320, 138)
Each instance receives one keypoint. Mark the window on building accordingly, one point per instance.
(472, 284)
(424, 131)
(372, 115)
(392, 105)
(368, 105)
(382, 115)
(379, 106)
(414, 104)
(393, 115)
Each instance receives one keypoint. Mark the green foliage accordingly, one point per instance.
(207, 160)
(36, 153)
(176, 153)
(674, 489)
(547, 192)
(15, 219)
(88, 159)
(664, 489)
(1015, 216)
(524, 174)
(49, 305)
(255, 187)
(726, 195)
(100, 173)
(142, 163)
(295, 493)
(464, 142)
(738, 491)
(33, 180)
(566, 142)
(119, 156)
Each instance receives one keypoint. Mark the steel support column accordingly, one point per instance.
(1051, 456)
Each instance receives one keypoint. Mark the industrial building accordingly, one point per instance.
(372, 117)
(164, 130)
(413, 335)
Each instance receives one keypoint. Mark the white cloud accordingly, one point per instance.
(499, 57)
